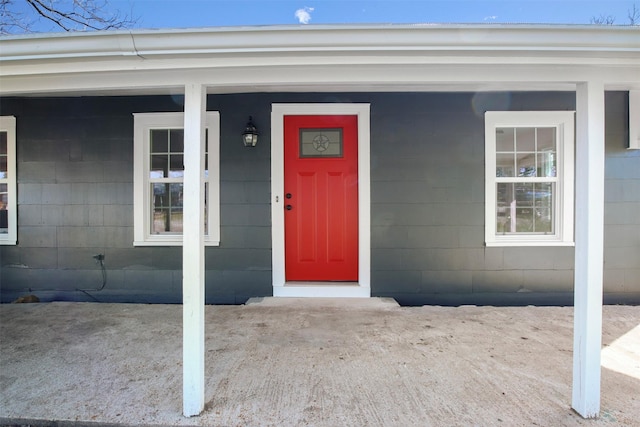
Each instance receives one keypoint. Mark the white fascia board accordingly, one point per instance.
(325, 78)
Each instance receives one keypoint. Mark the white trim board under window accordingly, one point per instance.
(158, 176)
(529, 178)
(8, 195)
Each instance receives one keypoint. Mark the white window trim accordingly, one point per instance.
(8, 125)
(634, 120)
(143, 123)
(563, 121)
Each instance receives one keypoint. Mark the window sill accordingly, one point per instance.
(529, 243)
(171, 243)
(8, 242)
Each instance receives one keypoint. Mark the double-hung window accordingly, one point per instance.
(159, 176)
(529, 178)
(8, 204)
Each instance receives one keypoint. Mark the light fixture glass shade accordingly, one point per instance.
(250, 134)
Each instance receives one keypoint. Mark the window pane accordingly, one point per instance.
(177, 166)
(524, 220)
(3, 155)
(524, 208)
(4, 213)
(546, 139)
(167, 208)
(175, 195)
(524, 193)
(505, 164)
(526, 164)
(159, 166)
(547, 152)
(526, 139)
(3, 167)
(206, 215)
(547, 164)
(160, 195)
(206, 153)
(177, 140)
(543, 200)
(543, 221)
(505, 204)
(543, 194)
(504, 139)
(320, 143)
(159, 141)
(3, 143)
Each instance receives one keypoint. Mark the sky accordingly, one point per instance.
(153, 14)
(205, 13)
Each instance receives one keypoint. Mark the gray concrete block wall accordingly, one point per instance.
(428, 205)
(622, 204)
(70, 166)
(75, 194)
(427, 170)
(428, 213)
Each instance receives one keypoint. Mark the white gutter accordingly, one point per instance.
(380, 57)
(399, 38)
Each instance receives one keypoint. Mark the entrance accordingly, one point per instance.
(321, 198)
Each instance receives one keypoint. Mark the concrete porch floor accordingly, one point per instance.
(316, 362)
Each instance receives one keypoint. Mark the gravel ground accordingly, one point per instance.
(291, 362)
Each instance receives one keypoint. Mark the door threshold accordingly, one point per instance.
(322, 289)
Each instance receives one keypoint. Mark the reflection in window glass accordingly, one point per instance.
(525, 140)
(167, 153)
(524, 208)
(320, 142)
(159, 166)
(504, 165)
(526, 152)
(206, 210)
(4, 213)
(167, 208)
(505, 138)
(4, 154)
(159, 141)
(176, 138)
(526, 164)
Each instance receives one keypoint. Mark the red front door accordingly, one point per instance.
(321, 198)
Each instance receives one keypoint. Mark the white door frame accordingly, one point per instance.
(281, 288)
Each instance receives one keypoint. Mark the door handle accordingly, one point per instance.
(289, 207)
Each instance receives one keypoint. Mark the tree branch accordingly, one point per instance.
(69, 15)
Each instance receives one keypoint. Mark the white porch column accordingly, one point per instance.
(193, 251)
(589, 224)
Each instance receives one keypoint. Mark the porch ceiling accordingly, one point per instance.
(321, 58)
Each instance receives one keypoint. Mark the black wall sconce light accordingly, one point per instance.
(250, 134)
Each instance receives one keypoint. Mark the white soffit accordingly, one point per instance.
(386, 57)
